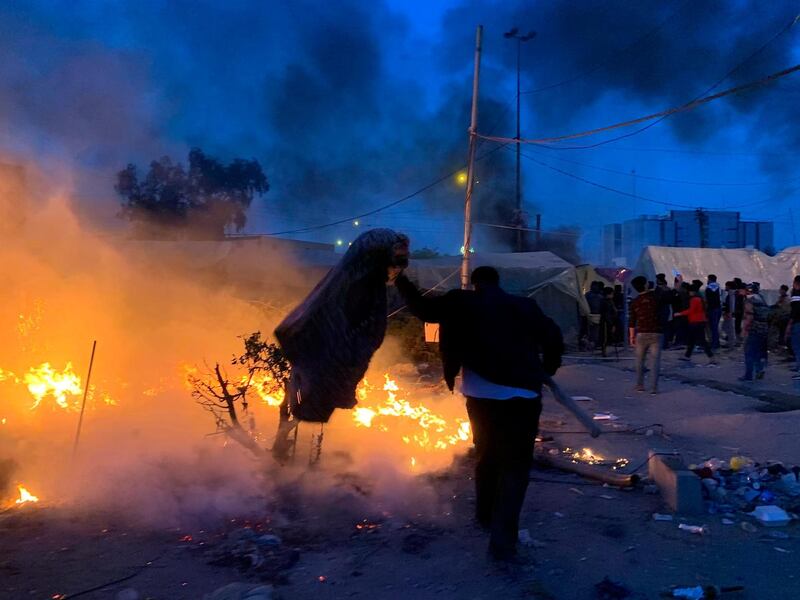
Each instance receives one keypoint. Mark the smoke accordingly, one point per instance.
(158, 310)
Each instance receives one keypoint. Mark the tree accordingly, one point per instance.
(200, 201)
(261, 369)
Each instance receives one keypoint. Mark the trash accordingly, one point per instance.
(749, 527)
(700, 592)
(660, 517)
(577, 491)
(789, 484)
(778, 535)
(771, 515)
(739, 462)
(582, 398)
(559, 515)
(268, 540)
(728, 522)
(767, 497)
(605, 416)
(606, 497)
(783, 550)
(610, 590)
(697, 529)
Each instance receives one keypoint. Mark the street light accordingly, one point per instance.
(509, 35)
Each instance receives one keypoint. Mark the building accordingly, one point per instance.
(623, 242)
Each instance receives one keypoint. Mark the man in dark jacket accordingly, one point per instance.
(506, 347)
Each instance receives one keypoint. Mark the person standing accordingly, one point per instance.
(664, 297)
(680, 305)
(645, 332)
(505, 347)
(755, 328)
(696, 326)
(793, 328)
(728, 310)
(594, 298)
(608, 320)
(713, 309)
(738, 312)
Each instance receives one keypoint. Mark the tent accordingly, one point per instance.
(726, 263)
(587, 274)
(550, 280)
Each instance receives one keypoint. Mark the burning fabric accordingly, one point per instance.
(331, 336)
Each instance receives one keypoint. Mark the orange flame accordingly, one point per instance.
(43, 381)
(435, 432)
(268, 389)
(25, 496)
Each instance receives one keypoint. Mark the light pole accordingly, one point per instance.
(514, 34)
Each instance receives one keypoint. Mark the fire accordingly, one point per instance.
(268, 389)
(45, 381)
(25, 496)
(434, 433)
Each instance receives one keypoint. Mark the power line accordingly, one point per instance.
(608, 60)
(636, 196)
(664, 179)
(747, 59)
(385, 206)
(663, 114)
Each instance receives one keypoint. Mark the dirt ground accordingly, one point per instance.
(582, 532)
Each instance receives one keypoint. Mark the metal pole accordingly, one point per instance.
(519, 195)
(83, 404)
(473, 130)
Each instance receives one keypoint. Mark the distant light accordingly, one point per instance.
(471, 250)
(461, 178)
(356, 223)
(339, 242)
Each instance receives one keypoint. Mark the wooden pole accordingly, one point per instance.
(473, 142)
(83, 404)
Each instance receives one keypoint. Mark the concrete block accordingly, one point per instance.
(680, 487)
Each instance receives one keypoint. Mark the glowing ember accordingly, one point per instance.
(588, 456)
(25, 496)
(43, 381)
(434, 431)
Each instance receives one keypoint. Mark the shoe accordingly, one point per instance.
(639, 388)
(712, 361)
(654, 392)
(685, 359)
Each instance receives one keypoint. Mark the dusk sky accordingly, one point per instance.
(367, 102)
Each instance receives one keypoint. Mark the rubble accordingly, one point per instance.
(253, 553)
(767, 492)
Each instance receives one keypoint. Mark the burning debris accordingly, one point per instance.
(25, 496)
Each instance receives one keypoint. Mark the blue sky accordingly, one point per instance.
(351, 105)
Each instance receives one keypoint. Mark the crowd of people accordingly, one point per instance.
(689, 315)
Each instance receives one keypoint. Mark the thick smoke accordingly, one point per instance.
(352, 107)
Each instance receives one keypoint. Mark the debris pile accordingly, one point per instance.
(254, 553)
(768, 492)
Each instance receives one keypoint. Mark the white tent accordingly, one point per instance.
(726, 263)
(552, 281)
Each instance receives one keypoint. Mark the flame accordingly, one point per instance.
(25, 496)
(267, 389)
(434, 431)
(45, 381)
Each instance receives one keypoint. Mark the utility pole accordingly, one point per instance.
(514, 34)
(473, 143)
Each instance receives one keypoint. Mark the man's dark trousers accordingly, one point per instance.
(504, 432)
